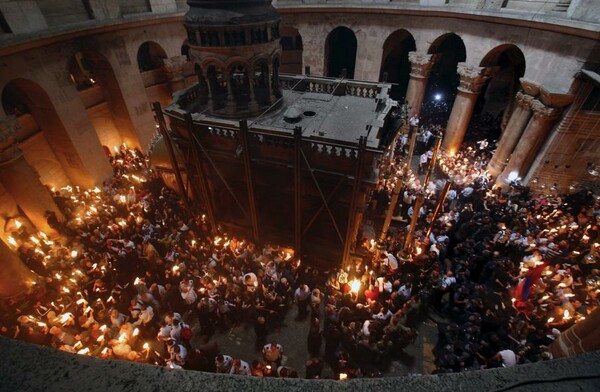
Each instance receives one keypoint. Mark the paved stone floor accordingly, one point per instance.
(239, 342)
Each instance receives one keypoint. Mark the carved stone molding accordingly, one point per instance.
(9, 125)
(524, 100)
(420, 64)
(173, 67)
(543, 112)
(472, 78)
(530, 87)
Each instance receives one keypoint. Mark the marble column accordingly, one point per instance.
(23, 184)
(231, 106)
(173, 68)
(582, 337)
(420, 68)
(472, 80)
(529, 144)
(15, 277)
(512, 133)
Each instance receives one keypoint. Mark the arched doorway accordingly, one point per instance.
(150, 56)
(395, 67)
(340, 52)
(291, 51)
(494, 104)
(240, 85)
(448, 50)
(45, 142)
(103, 99)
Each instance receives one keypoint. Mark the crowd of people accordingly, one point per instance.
(506, 272)
(132, 275)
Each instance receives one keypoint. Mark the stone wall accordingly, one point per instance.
(551, 58)
(26, 367)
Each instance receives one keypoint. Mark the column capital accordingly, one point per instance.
(472, 78)
(10, 154)
(420, 64)
(530, 87)
(9, 126)
(173, 67)
(543, 112)
(524, 100)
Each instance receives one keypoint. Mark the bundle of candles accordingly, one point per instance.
(465, 167)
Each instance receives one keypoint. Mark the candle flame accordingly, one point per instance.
(355, 286)
(18, 224)
(12, 241)
(136, 332)
(146, 346)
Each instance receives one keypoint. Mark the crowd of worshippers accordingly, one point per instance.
(128, 276)
(508, 271)
(132, 278)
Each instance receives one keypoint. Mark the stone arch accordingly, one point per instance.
(261, 80)
(95, 79)
(508, 66)
(394, 61)
(238, 74)
(292, 49)
(25, 98)
(217, 84)
(448, 50)
(185, 49)
(150, 56)
(340, 52)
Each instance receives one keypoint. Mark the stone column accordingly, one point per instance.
(582, 337)
(231, 106)
(471, 80)
(173, 68)
(15, 277)
(512, 133)
(23, 184)
(420, 68)
(528, 146)
(253, 104)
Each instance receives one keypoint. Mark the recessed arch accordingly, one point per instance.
(292, 49)
(150, 56)
(495, 101)
(447, 51)
(395, 67)
(99, 89)
(340, 52)
(22, 97)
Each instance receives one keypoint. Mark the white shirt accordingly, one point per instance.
(145, 316)
(509, 358)
(242, 370)
(225, 365)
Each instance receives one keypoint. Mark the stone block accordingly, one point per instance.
(105, 9)
(163, 6)
(23, 16)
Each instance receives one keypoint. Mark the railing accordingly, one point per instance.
(325, 85)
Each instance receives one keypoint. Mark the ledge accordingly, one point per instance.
(27, 367)
(511, 18)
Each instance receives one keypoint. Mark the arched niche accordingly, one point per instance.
(36, 113)
(99, 89)
(291, 50)
(448, 50)
(395, 67)
(340, 52)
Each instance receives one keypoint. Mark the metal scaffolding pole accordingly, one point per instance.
(362, 143)
(297, 192)
(162, 127)
(438, 208)
(202, 181)
(249, 179)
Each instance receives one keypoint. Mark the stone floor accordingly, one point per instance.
(239, 342)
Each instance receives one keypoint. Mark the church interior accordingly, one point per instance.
(296, 191)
